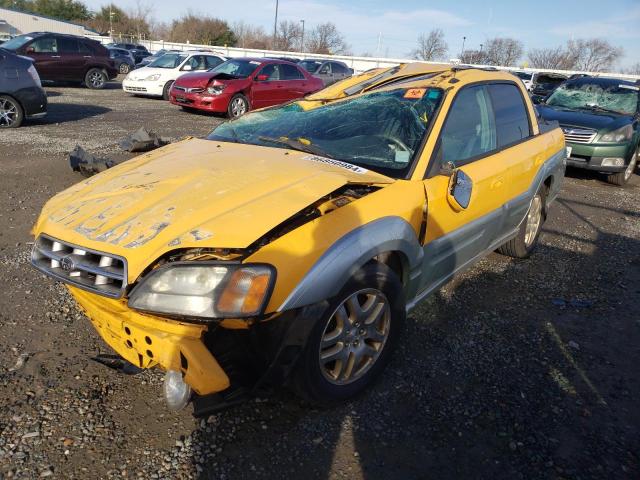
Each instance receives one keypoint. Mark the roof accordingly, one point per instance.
(606, 81)
(33, 14)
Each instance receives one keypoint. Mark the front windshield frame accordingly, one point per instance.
(559, 94)
(279, 127)
(8, 45)
(160, 61)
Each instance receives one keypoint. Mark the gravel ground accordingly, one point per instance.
(516, 369)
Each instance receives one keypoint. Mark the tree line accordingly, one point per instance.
(591, 54)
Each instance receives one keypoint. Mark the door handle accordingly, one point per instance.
(88, 56)
(55, 56)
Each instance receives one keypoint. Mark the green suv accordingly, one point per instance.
(600, 118)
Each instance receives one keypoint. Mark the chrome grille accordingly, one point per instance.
(578, 135)
(180, 89)
(90, 270)
(188, 90)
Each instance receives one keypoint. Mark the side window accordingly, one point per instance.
(44, 45)
(512, 120)
(212, 62)
(290, 72)
(67, 45)
(273, 71)
(337, 68)
(84, 49)
(197, 62)
(470, 128)
(325, 69)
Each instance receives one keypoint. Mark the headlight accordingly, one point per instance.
(34, 74)
(215, 90)
(205, 290)
(153, 78)
(620, 135)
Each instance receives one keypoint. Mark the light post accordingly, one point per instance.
(464, 39)
(302, 38)
(275, 26)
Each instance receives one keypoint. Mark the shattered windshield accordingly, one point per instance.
(168, 60)
(381, 131)
(608, 98)
(237, 68)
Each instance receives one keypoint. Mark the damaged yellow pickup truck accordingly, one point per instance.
(289, 245)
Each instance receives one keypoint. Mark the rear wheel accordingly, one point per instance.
(350, 346)
(238, 106)
(622, 178)
(11, 113)
(166, 89)
(523, 244)
(95, 79)
(124, 68)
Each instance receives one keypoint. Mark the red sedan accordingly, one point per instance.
(242, 84)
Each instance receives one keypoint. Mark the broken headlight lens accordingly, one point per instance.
(617, 136)
(205, 290)
(215, 90)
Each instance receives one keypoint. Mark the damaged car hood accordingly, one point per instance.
(195, 193)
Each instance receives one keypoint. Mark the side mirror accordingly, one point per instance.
(459, 191)
(186, 68)
(262, 78)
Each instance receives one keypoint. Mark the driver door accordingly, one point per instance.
(466, 189)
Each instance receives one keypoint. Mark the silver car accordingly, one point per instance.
(329, 71)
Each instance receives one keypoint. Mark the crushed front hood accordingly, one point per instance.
(193, 193)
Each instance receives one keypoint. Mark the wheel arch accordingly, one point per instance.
(389, 240)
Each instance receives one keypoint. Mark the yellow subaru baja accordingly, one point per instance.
(289, 245)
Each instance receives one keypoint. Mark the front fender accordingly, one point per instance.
(331, 271)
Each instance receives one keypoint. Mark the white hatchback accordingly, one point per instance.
(155, 79)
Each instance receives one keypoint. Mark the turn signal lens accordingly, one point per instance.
(245, 292)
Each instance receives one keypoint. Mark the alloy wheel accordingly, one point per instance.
(534, 219)
(96, 79)
(238, 107)
(354, 337)
(124, 68)
(8, 112)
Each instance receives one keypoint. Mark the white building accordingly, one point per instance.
(13, 22)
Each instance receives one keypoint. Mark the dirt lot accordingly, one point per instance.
(517, 369)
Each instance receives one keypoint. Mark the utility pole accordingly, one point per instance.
(302, 38)
(275, 26)
(110, 22)
(464, 39)
(379, 45)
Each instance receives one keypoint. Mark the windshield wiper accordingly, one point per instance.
(296, 145)
(598, 108)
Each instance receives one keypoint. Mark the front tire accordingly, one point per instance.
(166, 89)
(238, 106)
(95, 79)
(622, 178)
(124, 68)
(524, 243)
(350, 346)
(11, 113)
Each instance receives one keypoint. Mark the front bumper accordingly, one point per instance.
(147, 341)
(209, 103)
(150, 89)
(591, 156)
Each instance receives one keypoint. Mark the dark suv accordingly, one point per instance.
(21, 95)
(60, 57)
(139, 52)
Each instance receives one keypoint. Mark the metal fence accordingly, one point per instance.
(358, 64)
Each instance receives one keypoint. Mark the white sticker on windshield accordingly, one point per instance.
(402, 156)
(629, 87)
(337, 163)
(253, 62)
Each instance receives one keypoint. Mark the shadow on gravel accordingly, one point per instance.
(523, 369)
(68, 112)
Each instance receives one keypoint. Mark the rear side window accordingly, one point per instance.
(67, 45)
(512, 120)
(338, 68)
(290, 72)
(84, 48)
(470, 129)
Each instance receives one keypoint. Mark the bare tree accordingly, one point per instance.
(503, 51)
(633, 69)
(593, 55)
(251, 36)
(557, 58)
(140, 17)
(325, 38)
(288, 36)
(431, 46)
(473, 57)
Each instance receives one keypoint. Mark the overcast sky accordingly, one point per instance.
(540, 23)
